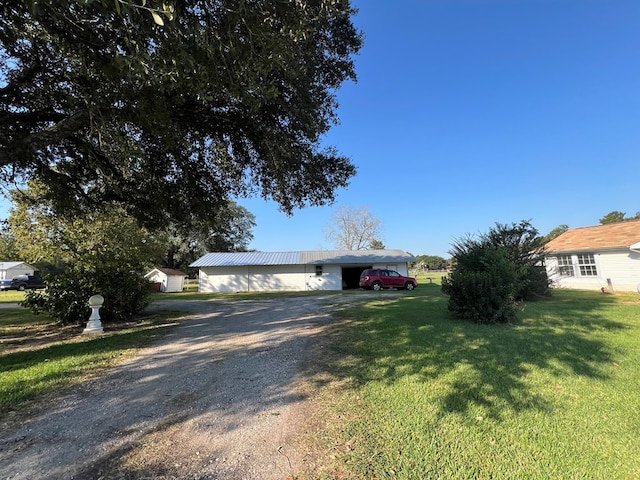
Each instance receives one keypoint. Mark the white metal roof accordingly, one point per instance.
(315, 257)
(355, 256)
(9, 265)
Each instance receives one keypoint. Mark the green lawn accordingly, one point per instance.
(410, 393)
(11, 296)
(430, 278)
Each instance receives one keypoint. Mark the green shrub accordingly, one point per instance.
(484, 293)
(494, 271)
(67, 295)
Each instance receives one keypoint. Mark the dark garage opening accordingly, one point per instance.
(351, 276)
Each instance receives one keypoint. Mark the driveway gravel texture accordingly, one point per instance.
(217, 398)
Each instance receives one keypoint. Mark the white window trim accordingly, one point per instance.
(587, 266)
(576, 265)
(565, 266)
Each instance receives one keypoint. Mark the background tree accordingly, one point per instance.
(495, 270)
(612, 217)
(353, 228)
(101, 252)
(8, 246)
(432, 262)
(230, 232)
(376, 245)
(556, 232)
(617, 216)
(167, 110)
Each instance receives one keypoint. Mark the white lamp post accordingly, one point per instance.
(94, 325)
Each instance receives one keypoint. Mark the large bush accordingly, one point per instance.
(494, 271)
(66, 298)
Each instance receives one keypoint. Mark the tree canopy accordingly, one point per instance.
(35, 233)
(556, 232)
(8, 244)
(100, 239)
(172, 108)
(230, 232)
(617, 216)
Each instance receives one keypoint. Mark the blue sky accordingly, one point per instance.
(471, 112)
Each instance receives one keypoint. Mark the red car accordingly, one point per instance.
(379, 278)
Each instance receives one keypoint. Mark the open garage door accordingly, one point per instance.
(351, 276)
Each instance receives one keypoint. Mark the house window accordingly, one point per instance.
(565, 266)
(587, 265)
(318, 270)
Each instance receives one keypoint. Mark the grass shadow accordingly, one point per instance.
(488, 366)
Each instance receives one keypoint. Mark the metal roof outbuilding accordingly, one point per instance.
(313, 257)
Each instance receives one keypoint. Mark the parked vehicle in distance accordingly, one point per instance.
(379, 278)
(23, 282)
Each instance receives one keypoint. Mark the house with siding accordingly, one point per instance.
(293, 271)
(13, 269)
(593, 258)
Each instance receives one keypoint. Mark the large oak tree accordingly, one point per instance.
(170, 108)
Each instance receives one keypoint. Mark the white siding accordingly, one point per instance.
(331, 278)
(255, 278)
(621, 267)
(276, 278)
(158, 277)
(175, 283)
(22, 269)
(223, 279)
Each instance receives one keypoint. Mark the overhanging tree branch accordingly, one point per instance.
(225, 97)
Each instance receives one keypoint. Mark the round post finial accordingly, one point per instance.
(94, 325)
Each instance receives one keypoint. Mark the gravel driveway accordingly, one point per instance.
(214, 399)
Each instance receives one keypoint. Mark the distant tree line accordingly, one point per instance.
(432, 262)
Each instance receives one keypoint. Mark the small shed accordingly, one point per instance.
(13, 269)
(170, 280)
(293, 271)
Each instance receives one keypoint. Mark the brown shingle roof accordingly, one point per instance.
(172, 271)
(600, 237)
